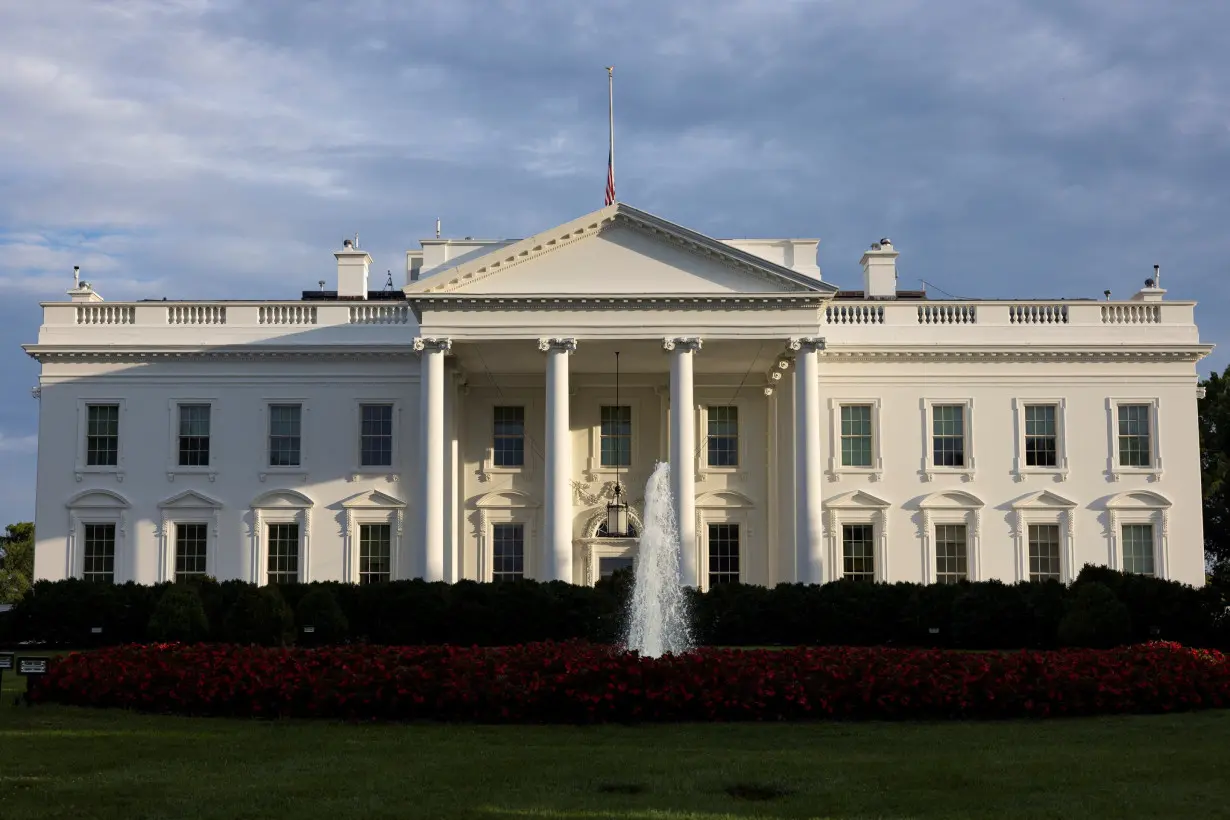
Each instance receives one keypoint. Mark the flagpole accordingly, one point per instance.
(610, 86)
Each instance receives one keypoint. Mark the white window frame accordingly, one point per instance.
(509, 515)
(188, 507)
(98, 507)
(723, 515)
(174, 468)
(81, 470)
(1019, 468)
(703, 468)
(1140, 507)
(1115, 470)
(595, 548)
(372, 507)
(952, 507)
(857, 507)
(1045, 507)
(280, 507)
(392, 470)
(836, 469)
(593, 465)
(487, 469)
(929, 468)
(267, 469)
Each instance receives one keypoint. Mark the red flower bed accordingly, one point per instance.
(582, 683)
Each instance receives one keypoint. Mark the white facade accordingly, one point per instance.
(978, 434)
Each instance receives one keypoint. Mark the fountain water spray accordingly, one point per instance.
(658, 622)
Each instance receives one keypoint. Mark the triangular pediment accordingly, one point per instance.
(616, 250)
(1043, 499)
(724, 498)
(190, 499)
(859, 500)
(372, 499)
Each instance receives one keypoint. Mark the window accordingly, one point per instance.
(1138, 548)
(102, 435)
(608, 565)
(285, 429)
(376, 435)
(283, 547)
(723, 436)
(616, 436)
(509, 443)
(1044, 553)
(723, 554)
(375, 553)
(194, 435)
(951, 554)
(856, 435)
(858, 552)
(1041, 437)
(190, 545)
(948, 435)
(507, 552)
(99, 553)
(1135, 445)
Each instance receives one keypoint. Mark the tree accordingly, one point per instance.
(1215, 468)
(16, 561)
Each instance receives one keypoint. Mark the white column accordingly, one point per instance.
(809, 528)
(557, 524)
(431, 391)
(682, 449)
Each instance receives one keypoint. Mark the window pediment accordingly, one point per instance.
(504, 499)
(858, 499)
(189, 499)
(1138, 500)
(1043, 499)
(284, 499)
(98, 499)
(951, 500)
(724, 498)
(372, 499)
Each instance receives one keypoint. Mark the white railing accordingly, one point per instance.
(106, 314)
(196, 314)
(1038, 314)
(947, 314)
(379, 314)
(286, 314)
(1119, 314)
(854, 314)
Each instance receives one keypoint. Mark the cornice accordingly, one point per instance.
(616, 302)
(119, 356)
(1169, 354)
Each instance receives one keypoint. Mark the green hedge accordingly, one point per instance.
(1101, 607)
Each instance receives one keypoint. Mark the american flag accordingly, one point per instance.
(610, 180)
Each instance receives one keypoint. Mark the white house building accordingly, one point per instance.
(470, 425)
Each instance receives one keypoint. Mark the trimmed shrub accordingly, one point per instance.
(179, 616)
(318, 609)
(1096, 619)
(261, 616)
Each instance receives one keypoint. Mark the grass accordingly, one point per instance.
(59, 761)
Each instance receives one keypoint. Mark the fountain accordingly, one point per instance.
(657, 612)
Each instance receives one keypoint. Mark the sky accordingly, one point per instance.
(220, 149)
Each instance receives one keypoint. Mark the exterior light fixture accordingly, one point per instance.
(617, 510)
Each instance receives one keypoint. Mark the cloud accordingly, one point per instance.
(18, 444)
(217, 148)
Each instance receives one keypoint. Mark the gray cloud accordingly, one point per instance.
(205, 149)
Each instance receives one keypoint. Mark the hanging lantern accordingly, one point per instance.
(617, 516)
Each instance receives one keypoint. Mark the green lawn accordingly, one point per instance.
(63, 762)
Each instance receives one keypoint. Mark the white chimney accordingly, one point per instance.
(880, 271)
(352, 266)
